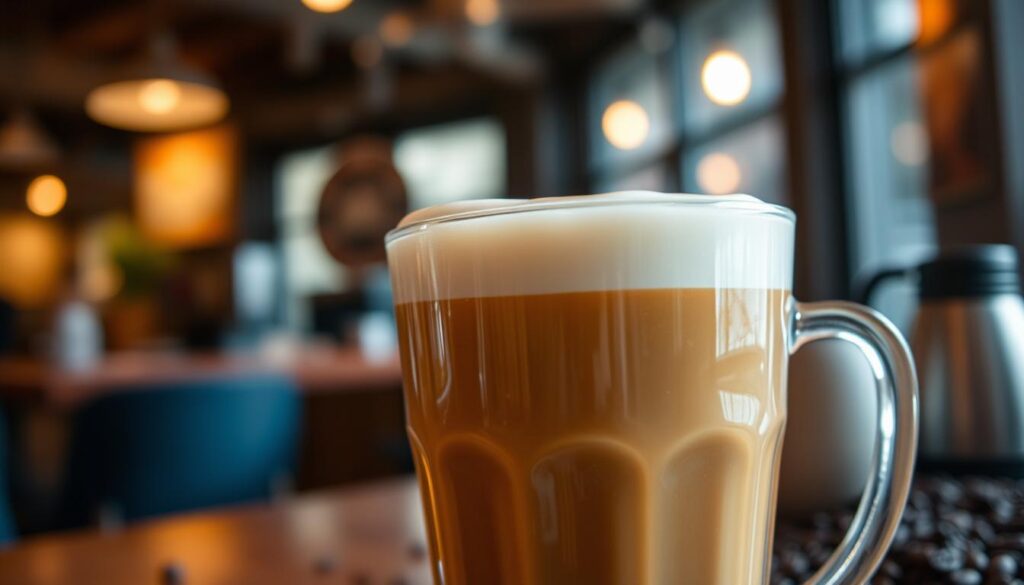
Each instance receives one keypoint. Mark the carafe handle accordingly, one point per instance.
(892, 464)
(865, 291)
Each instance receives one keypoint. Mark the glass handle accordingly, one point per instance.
(892, 464)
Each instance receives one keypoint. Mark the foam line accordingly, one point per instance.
(638, 240)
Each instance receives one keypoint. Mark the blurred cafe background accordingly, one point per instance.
(194, 305)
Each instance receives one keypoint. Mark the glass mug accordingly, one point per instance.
(595, 389)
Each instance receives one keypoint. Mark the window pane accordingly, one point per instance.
(628, 110)
(449, 162)
(301, 177)
(307, 267)
(731, 61)
(889, 164)
(870, 27)
(748, 160)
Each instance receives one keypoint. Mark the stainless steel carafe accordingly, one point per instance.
(968, 344)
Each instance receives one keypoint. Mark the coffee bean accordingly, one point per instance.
(977, 559)
(949, 491)
(1003, 564)
(983, 530)
(952, 531)
(982, 489)
(949, 529)
(1000, 511)
(891, 569)
(961, 519)
(795, 564)
(924, 529)
(902, 535)
(966, 577)
(919, 549)
(946, 560)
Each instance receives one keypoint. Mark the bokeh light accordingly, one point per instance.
(626, 124)
(726, 78)
(936, 17)
(482, 12)
(719, 173)
(396, 29)
(46, 195)
(159, 96)
(32, 254)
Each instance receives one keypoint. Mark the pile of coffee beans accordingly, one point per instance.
(967, 531)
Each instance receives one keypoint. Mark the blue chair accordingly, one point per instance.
(7, 533)
(143, 452)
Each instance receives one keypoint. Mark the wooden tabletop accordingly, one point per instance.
(315, 369)
(368, 535)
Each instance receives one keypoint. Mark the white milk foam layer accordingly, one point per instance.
(630, 240)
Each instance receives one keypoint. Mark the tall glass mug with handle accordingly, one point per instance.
(595, 389)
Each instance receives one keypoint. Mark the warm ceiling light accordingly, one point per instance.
(46, 195)
(156, 105)
(725, 78)
(719, 173)
(909, 143)
(160, 94)
(625, 124)
(482, 12)
(396, 29)
(327, 6)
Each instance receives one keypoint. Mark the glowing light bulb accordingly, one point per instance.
(483, 12)
(719, 173)
(626, 124)
(327, 6)
(46, 195)
(159, 96)
(726, 78)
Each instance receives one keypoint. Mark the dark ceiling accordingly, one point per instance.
(288, 71)
(277, 59)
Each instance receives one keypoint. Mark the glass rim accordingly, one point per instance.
(733, 202)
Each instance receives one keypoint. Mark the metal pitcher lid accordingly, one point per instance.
(970, 271)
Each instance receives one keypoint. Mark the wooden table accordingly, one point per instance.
(315, 369)
(369, 535)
